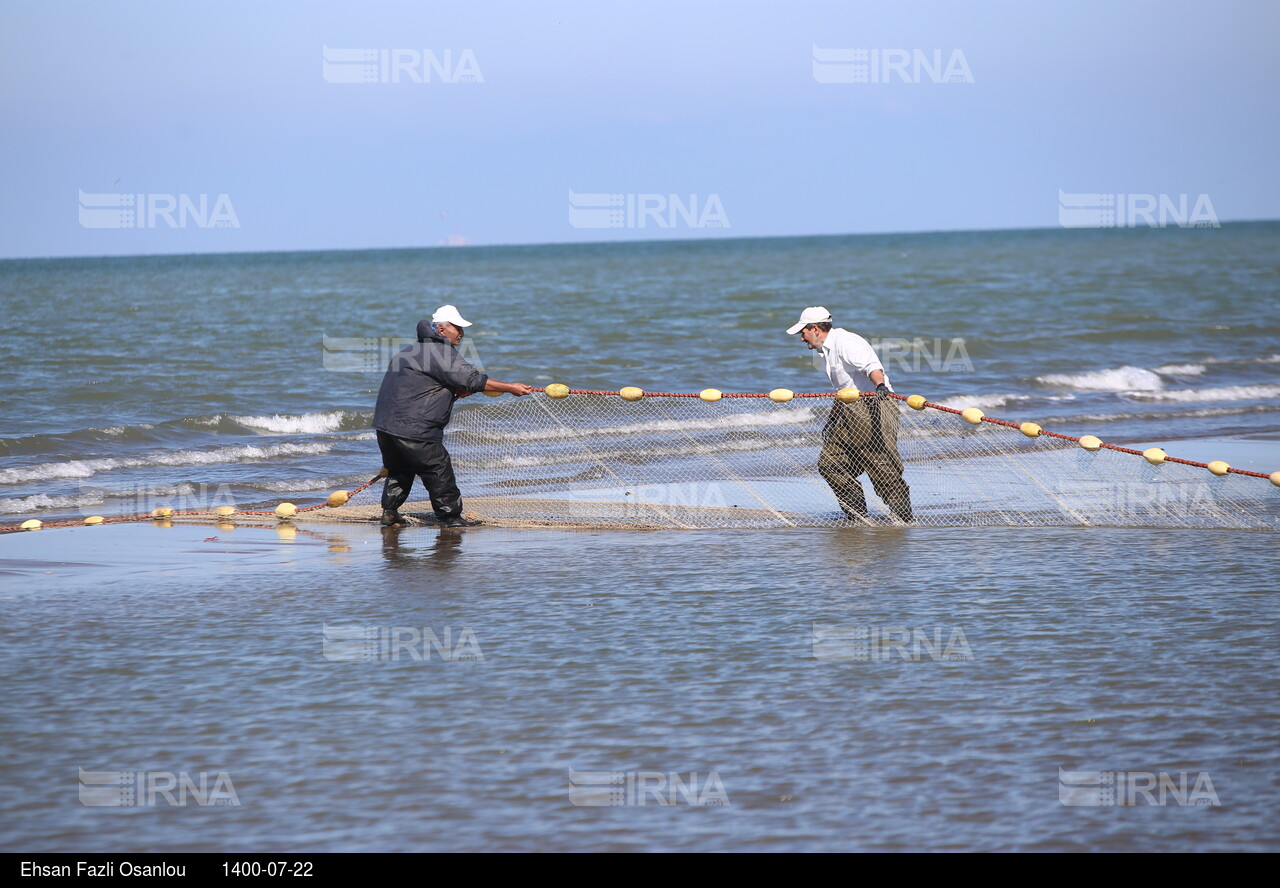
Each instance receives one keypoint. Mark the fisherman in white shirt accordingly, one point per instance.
(861, 436)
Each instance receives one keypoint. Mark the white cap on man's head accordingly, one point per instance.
(815, 314)
(447, 314)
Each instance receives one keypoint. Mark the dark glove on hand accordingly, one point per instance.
(882, 392)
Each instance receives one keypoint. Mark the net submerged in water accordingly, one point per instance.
(595, 459)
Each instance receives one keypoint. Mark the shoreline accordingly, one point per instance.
(555, 509)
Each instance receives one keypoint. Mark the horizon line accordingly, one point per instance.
(672, 240)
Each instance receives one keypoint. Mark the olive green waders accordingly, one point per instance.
(863, 437)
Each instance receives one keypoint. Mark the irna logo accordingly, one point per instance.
(112, 210)
(1135, 211)
(1093, 789)
(600, 789)
(621, 210)
(384, 644)
(399, 66)
(890, 66)
(146, 789)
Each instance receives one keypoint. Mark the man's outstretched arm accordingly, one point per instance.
(512, 388)
(492, 385)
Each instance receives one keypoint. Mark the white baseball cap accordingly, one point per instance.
(448, 314)
(813, 315)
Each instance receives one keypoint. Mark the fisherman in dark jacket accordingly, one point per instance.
(414, 405)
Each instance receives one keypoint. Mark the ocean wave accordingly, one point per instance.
(1225, 393)
(306, 423)
(335, 482)
(1165, 415)
(181, 489)
(41, 502)
(87, 468)
(61, 442)
(964, 402)
(1008, 399)
(91, 496)
(1181, 369)
(1269, 359)
(92, 442)
(1116, 379)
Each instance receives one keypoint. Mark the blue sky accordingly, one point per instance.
(696, 99)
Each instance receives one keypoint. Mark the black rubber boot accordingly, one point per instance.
(460, 522)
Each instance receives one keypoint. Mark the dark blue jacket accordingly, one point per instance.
(416, 398)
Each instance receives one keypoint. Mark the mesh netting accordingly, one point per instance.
(681, 462)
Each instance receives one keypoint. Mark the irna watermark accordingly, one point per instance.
(1094, 789)
(835, 642)
(114, 210)
(375, 354)
(1180, 496)
(603, 789)
(621, 210)
(1122, 210)
(389, 644)
(399, 66)
(150, 789)
(691, 494)
(936, 355)
(137, 500)
(890, 66)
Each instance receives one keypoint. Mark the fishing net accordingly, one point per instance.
(747, 461)
(676, 460)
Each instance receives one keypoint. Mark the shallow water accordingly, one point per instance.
(651, 654)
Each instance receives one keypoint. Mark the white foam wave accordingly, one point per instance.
(1116, 379)
(117, 430)
(144, 490)
(1162, 415)
(291, 424)
(293, 485)
(1181, 369)
(1270, 359)
(87, 468)
(1226, 393)
(964, 402)
(21, 505)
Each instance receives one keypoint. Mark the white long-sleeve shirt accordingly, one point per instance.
(850, 361)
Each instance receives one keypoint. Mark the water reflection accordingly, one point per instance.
(414, 547)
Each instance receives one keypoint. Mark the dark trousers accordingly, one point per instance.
(863, 437)
(429, 461)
